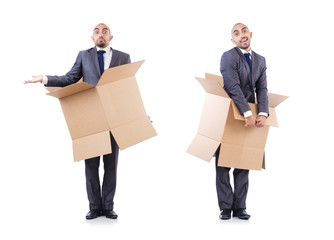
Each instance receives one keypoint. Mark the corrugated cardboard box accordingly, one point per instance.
(222, 124)
(113, 105)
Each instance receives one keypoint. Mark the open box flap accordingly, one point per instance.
(133, 132)
(212, 86)
(120, 72)
(69, 90)
(91, 146)
(203, 147)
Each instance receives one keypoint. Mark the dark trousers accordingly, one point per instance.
(227, 198)
(102, 200)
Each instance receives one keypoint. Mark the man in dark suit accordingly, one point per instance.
(90, 65)
(244, 74)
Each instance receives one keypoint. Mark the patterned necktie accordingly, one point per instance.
(101, 61)
(247, 56)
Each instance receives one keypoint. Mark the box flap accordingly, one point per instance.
(69, 90)
(275, 99)
(122, 102)
(116, 73)
(203, 147)
(214, 115)
(217, 78)
(51, 89)
(91, 146)
(212, 86)
(84, 114)
(133, 132)
(242, 157)
(271, 120)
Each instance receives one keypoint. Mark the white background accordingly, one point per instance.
(163, 192)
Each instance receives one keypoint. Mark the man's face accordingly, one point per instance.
(241, 36)
(101, 36)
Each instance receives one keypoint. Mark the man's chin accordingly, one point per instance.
(244, 47)
(101, 45)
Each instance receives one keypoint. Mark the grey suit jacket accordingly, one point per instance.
(87, 66)
(241, 83)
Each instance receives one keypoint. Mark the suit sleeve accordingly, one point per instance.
(262, 91)
(229, 71)
(69, 78)
(128, 59)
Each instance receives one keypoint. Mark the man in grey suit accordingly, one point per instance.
(244, 74)
(90, 65)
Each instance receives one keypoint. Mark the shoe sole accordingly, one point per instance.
(90, 218)
(242, 218)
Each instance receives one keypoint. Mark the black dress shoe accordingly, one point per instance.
(93, 214)
(225, 214)
(241, 214)
(109, 214)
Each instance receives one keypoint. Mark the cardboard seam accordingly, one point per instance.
(208, 137)
(125, 123)
(241, 146)
(91, 134)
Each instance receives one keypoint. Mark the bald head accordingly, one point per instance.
(101, 35)
(241, 36)
(104, 26)
(235, 25)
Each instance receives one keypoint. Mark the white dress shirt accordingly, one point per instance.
(106, 58)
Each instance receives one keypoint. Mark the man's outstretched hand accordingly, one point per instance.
(35, 79)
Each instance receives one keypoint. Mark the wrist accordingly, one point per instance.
(248, 114)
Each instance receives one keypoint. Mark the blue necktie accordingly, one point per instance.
(101, 61)
(247, 56)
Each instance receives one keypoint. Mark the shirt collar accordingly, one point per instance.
(107, 49)
(244, 51)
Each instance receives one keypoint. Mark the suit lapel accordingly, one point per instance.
(114, 57)
(95, 61)
(254, 62)
(243, 59)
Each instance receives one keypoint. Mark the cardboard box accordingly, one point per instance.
(221, 124)
(113, 105)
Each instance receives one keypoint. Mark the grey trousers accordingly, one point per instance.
(102, 200)
(227, 198)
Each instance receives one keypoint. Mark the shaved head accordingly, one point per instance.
(101, 35)
(241, 36)
(233, 28)
(105, 26)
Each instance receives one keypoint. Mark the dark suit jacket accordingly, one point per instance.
(87, 66)
(241, 83)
